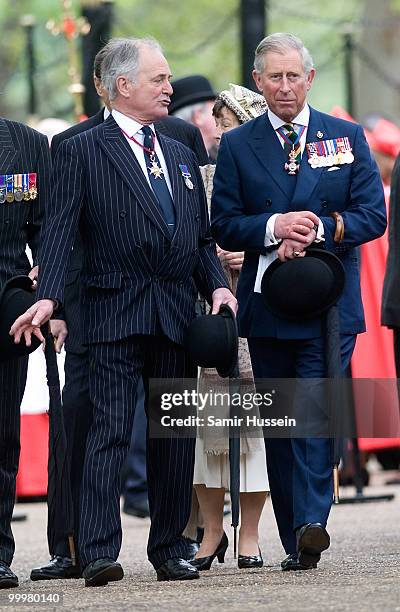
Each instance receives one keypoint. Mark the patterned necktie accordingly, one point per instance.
(292, 135)
(157, 180)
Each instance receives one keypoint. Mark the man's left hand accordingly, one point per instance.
(223, 296)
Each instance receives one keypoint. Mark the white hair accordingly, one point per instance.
(280, 43)
(121, 58)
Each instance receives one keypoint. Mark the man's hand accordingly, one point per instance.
(290, 249)
(33, 274)
(223, 296)
(234, 260)
(59, 331)
(298, 226)
(29, 323)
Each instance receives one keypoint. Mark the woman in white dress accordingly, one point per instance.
(211, 473)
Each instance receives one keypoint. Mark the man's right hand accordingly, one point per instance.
(59, 331)
(29, 323)
(296, 226)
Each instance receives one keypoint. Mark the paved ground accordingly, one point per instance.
(360, 572)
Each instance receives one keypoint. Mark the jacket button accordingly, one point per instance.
(268, 202)
(197, 217)
(155, 279)
(6, 221)
(324, 203)
(122, 214)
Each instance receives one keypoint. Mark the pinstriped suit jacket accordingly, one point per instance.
(137, 278)
(22, 150)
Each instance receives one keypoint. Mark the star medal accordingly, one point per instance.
(155, 169)
(292, 167)
(186, 176)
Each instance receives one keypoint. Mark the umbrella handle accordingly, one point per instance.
(71, 544)
(335, 484)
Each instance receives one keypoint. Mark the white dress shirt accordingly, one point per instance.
(301, 120)
(133, 128)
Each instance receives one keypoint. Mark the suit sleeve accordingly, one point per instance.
(38, 206)
(61, 221)
(365, 213)
(209, 274)
(232, 228)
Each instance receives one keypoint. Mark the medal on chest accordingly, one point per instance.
(292, 167)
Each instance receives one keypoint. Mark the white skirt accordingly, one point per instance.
(213, 470)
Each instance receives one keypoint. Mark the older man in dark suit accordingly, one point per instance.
(139, 202)
(66, 326)
(24, 182)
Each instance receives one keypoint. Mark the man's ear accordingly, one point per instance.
(122, 86)
(257, 80)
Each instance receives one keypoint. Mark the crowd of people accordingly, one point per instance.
(172, 197)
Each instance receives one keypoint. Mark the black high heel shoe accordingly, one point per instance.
(247, 562)
(204, 563)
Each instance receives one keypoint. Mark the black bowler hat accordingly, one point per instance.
(303, 288)
(16, 296)
(190, 90)
(212, 341)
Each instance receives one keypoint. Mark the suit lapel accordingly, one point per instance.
(8, 153)
(266, 146)
(308, 178)
(118, 151)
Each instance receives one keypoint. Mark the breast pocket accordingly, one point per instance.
(106, 281)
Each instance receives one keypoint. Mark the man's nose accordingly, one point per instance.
(168, 88)
(285, 86)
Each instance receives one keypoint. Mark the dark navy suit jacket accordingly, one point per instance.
(250, 185)
(137, 279)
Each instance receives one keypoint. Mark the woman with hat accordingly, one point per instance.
(211, 474)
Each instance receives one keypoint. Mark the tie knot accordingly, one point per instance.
(146, 129)
(148, 137)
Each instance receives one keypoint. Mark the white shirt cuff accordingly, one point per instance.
(270, 239)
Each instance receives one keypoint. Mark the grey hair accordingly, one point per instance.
(279, 43)
(186, 113)
(121, 58)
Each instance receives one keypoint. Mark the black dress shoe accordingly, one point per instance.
(8, 579)
(312, 540)
(101, 572)
(57, 568)
(139, 509)
(291, 563)
(192, 547)
(204, 563)
(176, 569)
(245, 561)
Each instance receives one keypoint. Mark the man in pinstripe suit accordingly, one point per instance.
(147, 250)
(66, 325)
(22, 151)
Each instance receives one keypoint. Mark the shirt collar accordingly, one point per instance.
(303, 118)
(106, 113)
(129, 125)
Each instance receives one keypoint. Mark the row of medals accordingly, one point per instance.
(334, 159)
(18, 195)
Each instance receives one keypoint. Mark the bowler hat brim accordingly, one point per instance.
(16, 296)
(303, 288)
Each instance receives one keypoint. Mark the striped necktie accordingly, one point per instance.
(292, 135)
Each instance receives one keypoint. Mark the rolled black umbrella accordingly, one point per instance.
(336, 391)
(234, 457)
(59, 495)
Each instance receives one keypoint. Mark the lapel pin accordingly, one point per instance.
(320, 134)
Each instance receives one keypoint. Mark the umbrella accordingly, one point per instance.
(234, 458)
(336, 394)
(59, 496)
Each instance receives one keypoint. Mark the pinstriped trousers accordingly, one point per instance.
(12, 386)
(115, 369)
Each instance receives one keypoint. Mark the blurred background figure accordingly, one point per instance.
(52, 126)
(192, 100)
